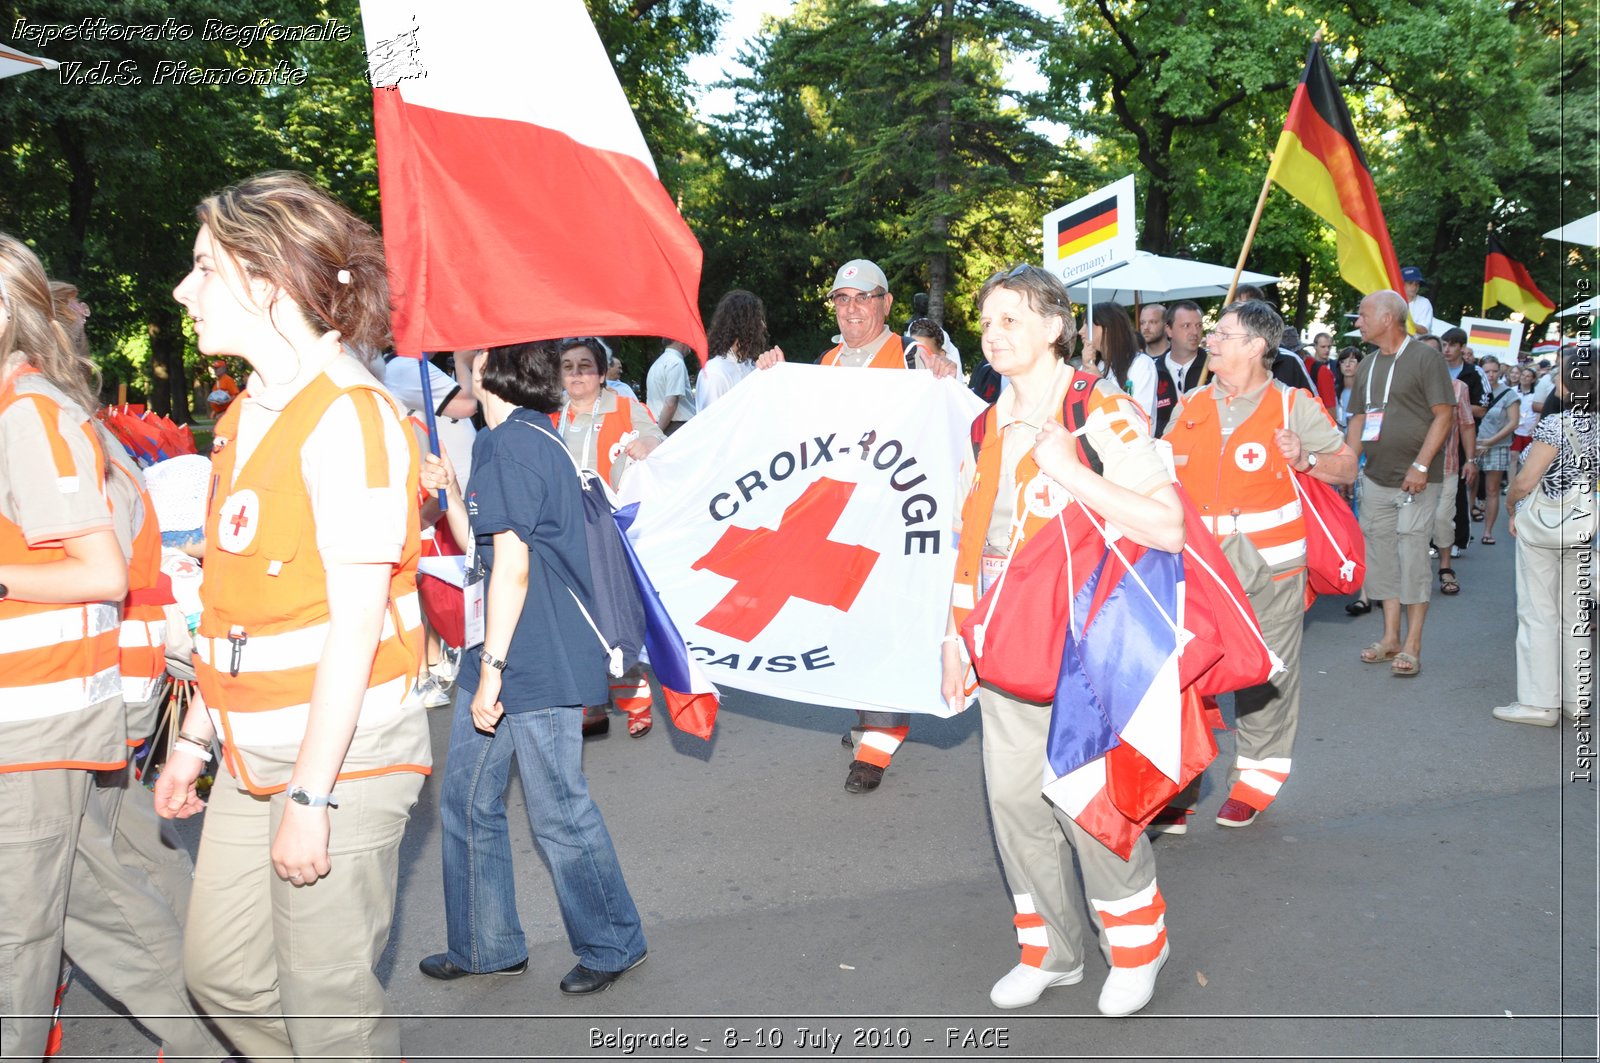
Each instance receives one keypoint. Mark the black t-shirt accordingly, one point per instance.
(523, 481)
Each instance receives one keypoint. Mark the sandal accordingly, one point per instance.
(639, 723)
(1448, 584)
(1359, 607)
(1405, 665)
(1477, 515)
(1486, 540)
(1376, 654)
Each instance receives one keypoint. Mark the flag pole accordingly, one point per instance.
(427, 413)
(1250, 236)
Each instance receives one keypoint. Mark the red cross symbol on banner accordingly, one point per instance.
(239, 521)
(795, 560)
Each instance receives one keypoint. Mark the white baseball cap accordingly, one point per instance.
(861, 275)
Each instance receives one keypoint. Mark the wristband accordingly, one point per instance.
(186, 746)
(203, 743)
(1417, 465)
(951, 638)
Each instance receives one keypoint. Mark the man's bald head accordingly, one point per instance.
(1383, 320)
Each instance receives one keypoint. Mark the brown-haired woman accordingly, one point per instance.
(1113, 351)
(1025, 476)
(736, 338)
(62, 718)
(308, 635)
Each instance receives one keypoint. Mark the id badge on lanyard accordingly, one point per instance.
(473, 591)
(1373, 425)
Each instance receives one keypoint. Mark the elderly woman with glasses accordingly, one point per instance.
(604, 431)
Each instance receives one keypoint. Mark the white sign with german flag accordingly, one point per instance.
(1503, 339)
(1092, 234)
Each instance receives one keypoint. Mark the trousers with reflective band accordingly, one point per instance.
(60, 704)
(1242, 476)
(1135, 927)
(264, 617)
(892, 355)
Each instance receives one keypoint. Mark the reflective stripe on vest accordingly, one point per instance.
(264, 622)
(1240, 483)
(59, 685)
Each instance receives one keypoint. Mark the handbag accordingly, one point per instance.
(1336, 550)
(1567, 520)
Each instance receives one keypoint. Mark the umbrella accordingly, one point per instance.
(1585, 231)
(15, 62)
(1589, 306)
(1149, 277)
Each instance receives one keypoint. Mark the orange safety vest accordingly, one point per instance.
(613, 426)
(59, 689)
(1038, 497)
(264, 616)
(892, 355)
(142, 640)
(1241, 483)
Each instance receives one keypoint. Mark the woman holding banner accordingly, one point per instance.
(1028, 468)
(308, 636)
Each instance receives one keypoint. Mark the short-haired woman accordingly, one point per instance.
(521, 693)
(1027, 331)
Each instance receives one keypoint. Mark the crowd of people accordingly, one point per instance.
(315, 669)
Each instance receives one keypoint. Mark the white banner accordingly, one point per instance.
(800, 532)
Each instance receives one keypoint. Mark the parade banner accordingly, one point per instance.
(1092, 234)
(1503, 339)
(801, 533)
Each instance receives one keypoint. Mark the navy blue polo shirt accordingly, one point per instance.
(523, 481)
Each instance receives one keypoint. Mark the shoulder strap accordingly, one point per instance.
(1074, 414)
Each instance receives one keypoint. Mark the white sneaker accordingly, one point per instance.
(1455, 551)
(1024, 985)
(449, 664)
(428, 693)
(1516, 712)
(1128, 989)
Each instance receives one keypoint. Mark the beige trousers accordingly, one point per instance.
(66, 889)
(287, 971)
(1037, 842)
(1555, 634)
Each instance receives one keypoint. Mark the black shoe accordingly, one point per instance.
(439, 966)
(1359, 607)
(594, 726)
(849, 739)
(582, 980)
(862, 777)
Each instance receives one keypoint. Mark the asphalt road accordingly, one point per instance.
(1425, 887)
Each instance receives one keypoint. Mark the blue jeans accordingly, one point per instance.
(480, 901)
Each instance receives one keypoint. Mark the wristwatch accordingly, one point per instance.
(491, 660)
(301, 796)
(1417, 465)
(1311, 462)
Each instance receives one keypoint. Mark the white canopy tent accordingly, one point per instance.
(1150, 278)
(1585, 231)
(1589, 306)
(15, 62)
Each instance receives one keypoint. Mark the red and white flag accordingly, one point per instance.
(519, 199)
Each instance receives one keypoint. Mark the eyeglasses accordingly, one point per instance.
(840, 301)
(580, 370)
(1226, 336)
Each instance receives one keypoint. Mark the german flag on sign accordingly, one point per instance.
(1319, 161)
(1091, 225)
(1495, 336)
(1506, 281)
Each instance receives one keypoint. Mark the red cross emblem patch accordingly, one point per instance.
(241, 514)
(1250, 457)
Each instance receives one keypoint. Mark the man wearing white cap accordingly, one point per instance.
(861, 301)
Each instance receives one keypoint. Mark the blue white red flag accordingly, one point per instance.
(691, 698)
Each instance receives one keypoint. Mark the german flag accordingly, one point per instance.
(1496, 337)
(1319, 162)
(1092, 225)
(1506, 281)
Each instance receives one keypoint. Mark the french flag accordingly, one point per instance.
(691, 698)
(1124, 737)
(519, 199)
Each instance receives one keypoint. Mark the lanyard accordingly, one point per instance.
(1387, 384)
(567, 417)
